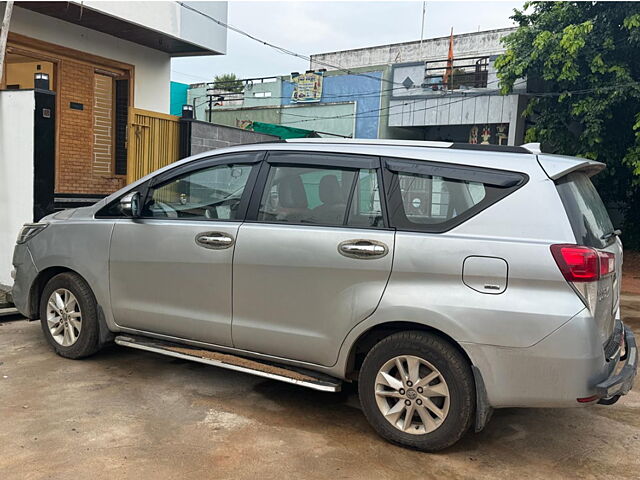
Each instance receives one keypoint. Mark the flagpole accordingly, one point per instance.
(424, 9)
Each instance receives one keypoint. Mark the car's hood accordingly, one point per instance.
(62, 215)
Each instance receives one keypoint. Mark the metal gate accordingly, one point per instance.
(154, 141)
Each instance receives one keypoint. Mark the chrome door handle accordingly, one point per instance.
(363, 249)
(214, 240)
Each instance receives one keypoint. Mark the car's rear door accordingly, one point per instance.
(314, 256)
(170, 271)
(593, 228)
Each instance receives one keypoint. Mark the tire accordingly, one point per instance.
(79, 337)
(450, 393)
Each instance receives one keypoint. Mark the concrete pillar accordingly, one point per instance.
(517, 122)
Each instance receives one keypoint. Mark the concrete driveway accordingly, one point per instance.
(131, 414)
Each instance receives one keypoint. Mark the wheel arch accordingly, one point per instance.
(37, 287)
(367, 339)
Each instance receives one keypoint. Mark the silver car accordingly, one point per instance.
(445, 279)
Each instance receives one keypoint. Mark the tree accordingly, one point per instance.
(228, 82)
(583, 71)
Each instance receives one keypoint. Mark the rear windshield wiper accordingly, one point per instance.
(613, 233)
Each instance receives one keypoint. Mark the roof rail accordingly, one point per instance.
(489, 148)
(528, 148)
(372, 141)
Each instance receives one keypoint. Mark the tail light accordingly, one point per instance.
(577, 264)
(607, 263)
(582, 267)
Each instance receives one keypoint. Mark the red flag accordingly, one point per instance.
(449, 71)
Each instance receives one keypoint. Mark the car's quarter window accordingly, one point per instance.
(211, 193)
(429, 199)
(435, 197)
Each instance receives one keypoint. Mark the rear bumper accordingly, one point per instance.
(568, 368)
(621, 382)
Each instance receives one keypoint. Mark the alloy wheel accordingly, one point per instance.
(64, 317)
(412, 394)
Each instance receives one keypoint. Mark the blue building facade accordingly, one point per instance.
(364, 89)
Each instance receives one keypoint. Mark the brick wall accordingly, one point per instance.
(75, 171)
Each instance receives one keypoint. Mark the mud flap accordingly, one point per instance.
(483, 409)
(105, 336)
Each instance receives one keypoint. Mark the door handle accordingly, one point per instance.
(363, 249)
(214, 240)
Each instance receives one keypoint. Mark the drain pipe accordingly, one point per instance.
(4, 34)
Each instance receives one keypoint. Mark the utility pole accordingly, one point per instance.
(4, 34)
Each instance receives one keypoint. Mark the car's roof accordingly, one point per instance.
(419, 150)
(415, 143)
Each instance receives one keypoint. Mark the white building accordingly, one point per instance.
(101, 59)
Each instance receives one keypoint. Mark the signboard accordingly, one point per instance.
(494, 134)
(307, 87)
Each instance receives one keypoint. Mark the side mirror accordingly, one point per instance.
(130, 204)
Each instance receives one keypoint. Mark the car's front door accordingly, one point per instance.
(313, 258)
(170, 271)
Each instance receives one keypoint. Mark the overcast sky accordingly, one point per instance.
(315, 27)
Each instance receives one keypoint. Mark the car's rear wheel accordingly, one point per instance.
(68, 314)
(417, 391)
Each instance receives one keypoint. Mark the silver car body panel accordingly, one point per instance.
(295, 294)
(554, 372)
(162, 281)
(293, 298)
(80, 244)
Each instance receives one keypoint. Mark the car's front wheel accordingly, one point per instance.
(417, 391)
(68, 314)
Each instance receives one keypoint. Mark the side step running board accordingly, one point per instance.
(282, 373)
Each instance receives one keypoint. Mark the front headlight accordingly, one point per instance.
(30, 230)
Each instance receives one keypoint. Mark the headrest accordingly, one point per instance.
(291, 193)
(329, 190)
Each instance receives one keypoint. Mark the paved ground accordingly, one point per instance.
(129, 414)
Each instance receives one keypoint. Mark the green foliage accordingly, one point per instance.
(228, 82)
(582, 67)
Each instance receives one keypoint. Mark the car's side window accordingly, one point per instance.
(306, 194)
(429, 199)
(435, 197)
(366, 209)
(212, 193)
(302, 194)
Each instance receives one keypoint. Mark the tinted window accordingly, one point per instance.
(210, 193)
(435, 197)
(430, 199)
(366, 210)
(295, 194)
(587, 214)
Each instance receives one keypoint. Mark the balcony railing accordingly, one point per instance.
(232, 93)
(467, 72)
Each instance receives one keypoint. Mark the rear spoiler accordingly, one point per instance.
(557, 166)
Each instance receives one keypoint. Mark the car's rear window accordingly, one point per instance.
(587, 214)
